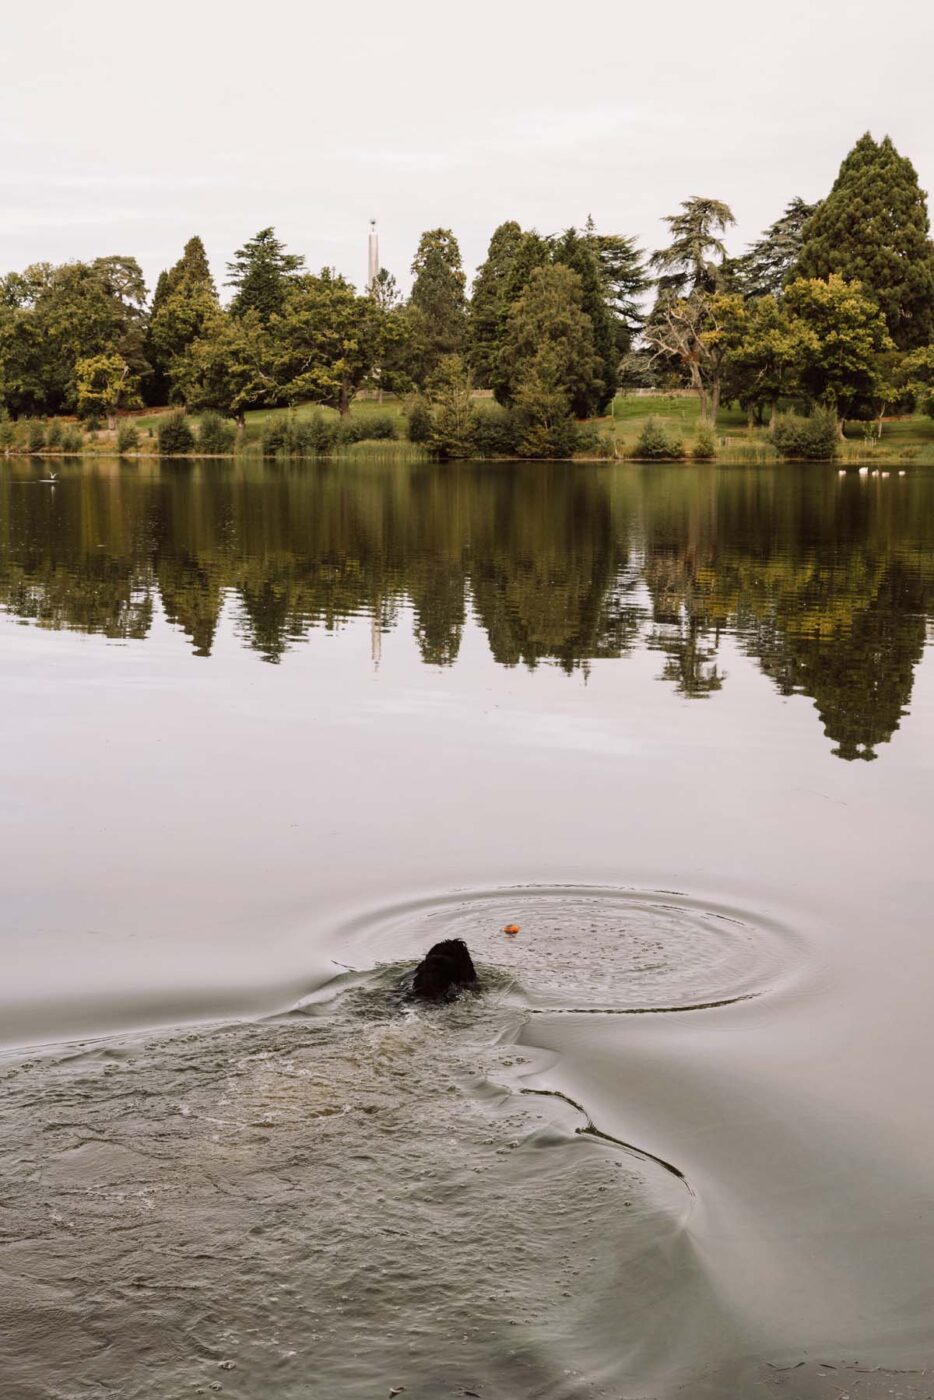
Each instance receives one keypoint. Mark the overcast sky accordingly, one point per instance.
(127, 128)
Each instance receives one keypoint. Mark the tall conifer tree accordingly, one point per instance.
(261, 272)
(437, 308)
(489, 304)
(873, 228)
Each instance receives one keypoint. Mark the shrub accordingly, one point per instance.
(35, 436)
(493, 433)
(127, 438)
(351, 430)
(92, 423)
(657, 444)
(418, 423)
(592, 443)
(276, 438)
(705, 445)
(812, 439)
(175, 435)
(216, 435)
(7, 434)
(53, 437)
(548, 442)
(605, 447)
(369, 427)
(321, 433)
(379, 427)
(72, 440)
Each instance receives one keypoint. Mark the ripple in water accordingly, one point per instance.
(583, 948)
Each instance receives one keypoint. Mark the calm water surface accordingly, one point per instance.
(268, 733)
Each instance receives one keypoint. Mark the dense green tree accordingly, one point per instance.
(51, 317)
(489, 303)
(261, 272)
(694, 259)
(842, 336)
(544, 425)
(534, 251)
(105, 384)
(772, 260)
(916, 373)
(184, 302)
(764, 346)
(437, 309)
(531, 251)
(625, 281)
(327, 341)
(390, 371)
(450, 405)
(873, 228)
(549, 339)
(581, 256)
(230, 367)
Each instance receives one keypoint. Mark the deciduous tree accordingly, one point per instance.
(105, 384)
(842, 337)
(230, 367)
(326, 341)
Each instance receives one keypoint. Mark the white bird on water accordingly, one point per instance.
(49, 480)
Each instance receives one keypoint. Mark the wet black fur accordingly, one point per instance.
(444, 969)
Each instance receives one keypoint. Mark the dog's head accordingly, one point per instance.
(444, 968)
(456, 952)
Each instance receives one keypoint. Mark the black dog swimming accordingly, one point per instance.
(443, 971)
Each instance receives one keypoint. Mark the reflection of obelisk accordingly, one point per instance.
(373, 262)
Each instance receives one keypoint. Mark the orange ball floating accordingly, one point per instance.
(511, 929)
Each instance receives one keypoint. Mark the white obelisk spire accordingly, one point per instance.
(373, 262)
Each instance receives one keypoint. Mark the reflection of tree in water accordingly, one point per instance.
(827, 585)
(861, 678)
(549, 573)
(74, 561)
(681, 626)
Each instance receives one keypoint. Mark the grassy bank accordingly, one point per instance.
(909, 439)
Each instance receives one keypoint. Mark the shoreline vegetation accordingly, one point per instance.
(380, 429)
(816, 344)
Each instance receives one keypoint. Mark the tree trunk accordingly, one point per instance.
(111, 420)
(701, 390)
(750, 417)
(345, 399)
(714, 401)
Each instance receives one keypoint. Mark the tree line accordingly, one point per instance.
(830, 312)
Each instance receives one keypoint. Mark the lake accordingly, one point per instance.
(268, 733)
